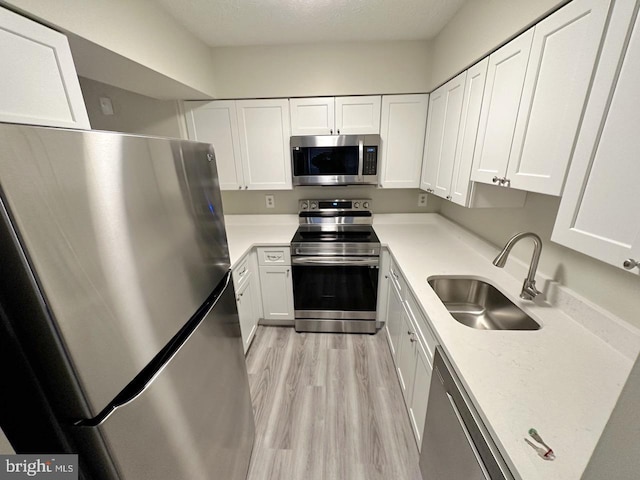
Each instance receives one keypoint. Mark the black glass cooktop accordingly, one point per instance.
(360, 234)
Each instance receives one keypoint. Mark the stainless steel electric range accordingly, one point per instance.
(335, 257)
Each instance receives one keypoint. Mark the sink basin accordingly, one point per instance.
(477, 304)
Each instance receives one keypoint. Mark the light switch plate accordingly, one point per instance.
(270, 201)
(422, 199)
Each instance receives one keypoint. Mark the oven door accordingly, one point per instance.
(335, 288)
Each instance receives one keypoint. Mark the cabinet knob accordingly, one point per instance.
(331, 132)
(338, 131)
(246, 187)
(240, 187)
(505, 182)
(630, 264)
(386, 276)
(448, 197)
(495, 180)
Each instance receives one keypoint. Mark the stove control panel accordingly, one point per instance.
(335, 205)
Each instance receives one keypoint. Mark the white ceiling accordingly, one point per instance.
(280, 22)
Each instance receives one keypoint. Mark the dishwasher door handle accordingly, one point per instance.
(467, 435)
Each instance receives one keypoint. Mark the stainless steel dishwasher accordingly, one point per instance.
(456, 444)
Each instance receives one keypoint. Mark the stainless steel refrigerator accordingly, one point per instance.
(117, 294)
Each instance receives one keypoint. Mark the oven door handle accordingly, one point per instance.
(337, 261)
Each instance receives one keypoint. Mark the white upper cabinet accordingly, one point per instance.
(534, 97)
(563, 55)
(264, 132)
(598, 213)
(216, 123)
(505, 78)
(454, 115)
(39, 83)
(443, 124)
(402, 130)
(462, 190)
(335, 115)
(312, 116)
(250, 139)
(358, 115)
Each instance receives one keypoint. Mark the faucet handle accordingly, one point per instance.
(529, 290)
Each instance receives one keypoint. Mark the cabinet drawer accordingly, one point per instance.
(398, 280)
(426, 335)
(274, 256)
(241, 273)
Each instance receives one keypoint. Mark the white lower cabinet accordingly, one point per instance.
(412, 345)
(247, 286)
(405, 357)
(277, 285)
(420, 394)
(277, 293)
(393, 324)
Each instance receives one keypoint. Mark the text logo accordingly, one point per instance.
(50, 467)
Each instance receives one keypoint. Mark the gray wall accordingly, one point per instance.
(133, 113)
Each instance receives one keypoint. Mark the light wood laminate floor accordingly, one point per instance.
(327, 407)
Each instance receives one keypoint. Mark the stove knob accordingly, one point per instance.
(356, 205)
(314, 205)
(304, 205)
(365, 205)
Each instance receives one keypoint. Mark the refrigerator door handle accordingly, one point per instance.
(145, 378)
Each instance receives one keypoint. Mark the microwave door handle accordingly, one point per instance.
(360, 157)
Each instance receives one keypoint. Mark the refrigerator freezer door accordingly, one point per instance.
(125, 236)
(195, 420)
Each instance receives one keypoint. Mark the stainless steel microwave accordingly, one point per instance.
(335, 159)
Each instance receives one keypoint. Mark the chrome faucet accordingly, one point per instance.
(529, 290)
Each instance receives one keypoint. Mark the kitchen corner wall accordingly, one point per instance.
(132, 113)
(477, 29)
(355, 68)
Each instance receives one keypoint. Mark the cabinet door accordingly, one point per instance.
(277, 293)
(443, 123)
(245, 299)
(563, 55)
(505, 78)
(216, 123)
(470, 118)
(420, 394)
(264, 143)
(312, 116)
(406, 357)
(598, 213)
(39, 83)
(402, 130)
(393, 325)
(358, 115)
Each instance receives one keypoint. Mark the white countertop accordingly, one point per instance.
(562, 380)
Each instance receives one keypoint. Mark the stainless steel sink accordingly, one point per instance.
(477, 304)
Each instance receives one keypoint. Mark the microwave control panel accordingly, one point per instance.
(370, 161)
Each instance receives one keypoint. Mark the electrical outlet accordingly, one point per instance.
(270, 201)
(422, 199)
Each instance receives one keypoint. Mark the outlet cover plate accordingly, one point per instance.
(270, 201)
